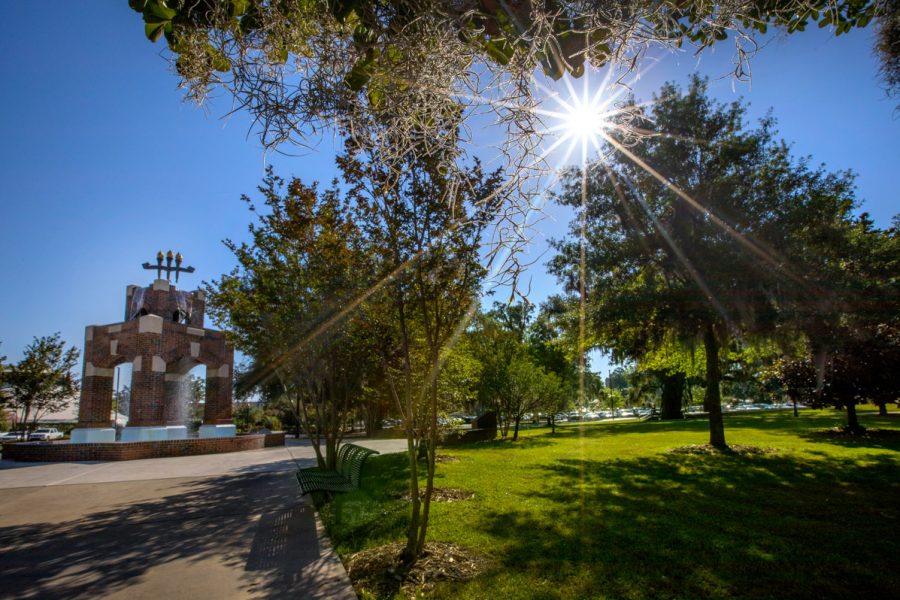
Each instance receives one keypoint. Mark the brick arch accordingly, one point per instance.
(114, 361)
(161, 351)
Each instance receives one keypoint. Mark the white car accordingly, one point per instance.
(10, 436)
(46, 434)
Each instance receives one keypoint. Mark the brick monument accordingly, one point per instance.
(163, 337)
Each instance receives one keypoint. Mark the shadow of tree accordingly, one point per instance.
(253, 525)
(777, 421)
(726, 526)
(886, 439)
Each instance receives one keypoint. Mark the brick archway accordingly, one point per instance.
(159, 347)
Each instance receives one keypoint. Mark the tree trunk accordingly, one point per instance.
(852, 419)
(409, 554)
(796, 412)
(713, 400)
(431, 451)
(516, 431)
(24, 423)
(672, 395)
(882, 409)
(331, 444)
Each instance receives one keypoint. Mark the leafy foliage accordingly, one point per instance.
(287, 302)
(526, 369)
(42, 381)
(422, 69)
(864, 369)
(693, 247)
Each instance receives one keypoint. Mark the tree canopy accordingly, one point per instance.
(42, 381)
(284, 305)
(685, 232)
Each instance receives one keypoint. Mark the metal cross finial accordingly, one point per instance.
(168, 268)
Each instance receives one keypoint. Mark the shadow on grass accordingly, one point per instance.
(374, 512)
(106, 543)
(785, 525)
(528, 442)
(873, 437)
(704, 527)
(782, 421)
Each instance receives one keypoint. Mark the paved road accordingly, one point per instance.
(217, 526)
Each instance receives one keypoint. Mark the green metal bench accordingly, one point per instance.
(345, 477)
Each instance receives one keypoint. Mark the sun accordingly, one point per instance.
(579, 119)
(584, 120)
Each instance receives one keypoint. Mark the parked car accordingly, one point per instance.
(10, 436)
(45, 435)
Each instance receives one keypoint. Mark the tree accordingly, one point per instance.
(864, 369)
(887, 42)
(5, 394)
(423, 69)
(685, 249)
(529, 389)
(288, 305)
(526, 365)
(42, 381)
(422, 227)
(843, 302)
(366, 55)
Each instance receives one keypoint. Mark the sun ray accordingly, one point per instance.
(679, 253)
(737, 236)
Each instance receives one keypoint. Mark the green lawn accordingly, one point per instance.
(603, 511)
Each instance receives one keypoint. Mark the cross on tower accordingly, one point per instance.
(168, 268)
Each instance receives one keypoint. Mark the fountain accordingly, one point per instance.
(163, 336)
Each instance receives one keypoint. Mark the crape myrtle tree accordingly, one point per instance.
(421, 226)
(681, 231)
(525, 368)
(285, 306)
(42, 381)
(554, 344)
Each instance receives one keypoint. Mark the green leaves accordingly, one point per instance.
(154, 31)
(157, 17)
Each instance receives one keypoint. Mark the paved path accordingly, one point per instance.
(216, 526)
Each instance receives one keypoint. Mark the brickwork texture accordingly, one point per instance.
(163, 337)
(66, 452)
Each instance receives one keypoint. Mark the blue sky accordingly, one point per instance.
(102, 162)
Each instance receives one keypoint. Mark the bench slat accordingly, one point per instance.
(345, 477)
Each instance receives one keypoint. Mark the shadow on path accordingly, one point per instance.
(235, 536)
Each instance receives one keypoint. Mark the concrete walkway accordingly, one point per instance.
(216, 526)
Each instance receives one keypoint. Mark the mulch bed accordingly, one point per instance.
(439, 494)
(380, 572)
(445, 458)
(733, 449)
(888, 435)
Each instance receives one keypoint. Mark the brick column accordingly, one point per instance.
(96, 397)
(177, 395)
(148, 378)
(218, 396)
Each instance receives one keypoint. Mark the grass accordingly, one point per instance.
(603, 511)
